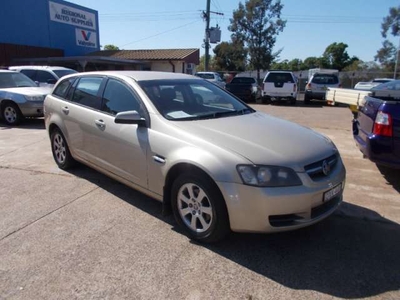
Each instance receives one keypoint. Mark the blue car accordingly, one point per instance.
(376, 129)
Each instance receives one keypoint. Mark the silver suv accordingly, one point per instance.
(318, 84)
(44, 75)
(219, 164)
(20, 97)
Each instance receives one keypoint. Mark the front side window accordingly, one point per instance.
(184, 100)
(86, 92)
(118, 98)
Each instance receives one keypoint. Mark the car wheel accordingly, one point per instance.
(11, 113)
(199, 208)
(61, 153)
(293, 101)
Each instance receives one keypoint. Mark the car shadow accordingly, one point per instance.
(391, 176)
(349, 255)
(27, 123)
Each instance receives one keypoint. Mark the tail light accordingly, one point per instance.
(383, 124)
(308, 86)
(294, 87)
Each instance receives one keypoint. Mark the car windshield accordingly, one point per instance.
(188, 99)
(12, 80)
(325, 79)
(205, 75)
(61, 73)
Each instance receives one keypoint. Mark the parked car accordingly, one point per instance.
(44, 75)
(280, 85)
(245, 88)
(366, 86)
(221, 166)
(20, 97)
(318, 84)
(212, 77)
(377, 127)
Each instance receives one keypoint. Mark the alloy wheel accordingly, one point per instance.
(59, 148)
(195, 207)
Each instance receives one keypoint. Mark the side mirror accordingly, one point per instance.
(37, 83)
(130, 117)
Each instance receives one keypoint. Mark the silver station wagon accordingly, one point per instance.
(216, 162)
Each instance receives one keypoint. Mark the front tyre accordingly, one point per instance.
(61, 153)
(11, 113)
(199, 208)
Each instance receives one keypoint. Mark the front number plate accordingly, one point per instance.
(332, 193)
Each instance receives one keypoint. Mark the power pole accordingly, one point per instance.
(207, 36)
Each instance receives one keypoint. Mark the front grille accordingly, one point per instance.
(314, 170)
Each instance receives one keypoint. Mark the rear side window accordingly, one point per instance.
(118, 98)
(279, 77)
(62, 88)
(44, 76)
(86, 92)
(30, 73)
(325, 79)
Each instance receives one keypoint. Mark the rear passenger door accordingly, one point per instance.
(119, 148)
(79, 114)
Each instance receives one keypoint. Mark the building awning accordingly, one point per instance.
(191, 55)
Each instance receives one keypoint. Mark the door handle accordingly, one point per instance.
(65, 110)
(100, 124)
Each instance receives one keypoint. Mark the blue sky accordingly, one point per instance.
(311, 24)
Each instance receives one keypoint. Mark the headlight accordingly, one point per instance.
(269, 176)
(34, 98)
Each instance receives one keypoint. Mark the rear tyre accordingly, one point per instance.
(61, 153)
(11, 113)
(199, 208)
(307, 99)
(293, 101)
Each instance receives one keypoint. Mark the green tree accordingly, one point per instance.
(256, 24)
(336, 56)
(230, 56)
(312, 62)
(387, 54)
(211, 64)
(110, 47)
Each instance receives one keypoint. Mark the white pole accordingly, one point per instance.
(397, 61)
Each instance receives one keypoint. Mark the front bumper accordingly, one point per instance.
(256, 209)
(31, 108)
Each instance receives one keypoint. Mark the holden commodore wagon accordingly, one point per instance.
(217, 163)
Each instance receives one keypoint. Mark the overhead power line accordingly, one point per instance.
(160, 33)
